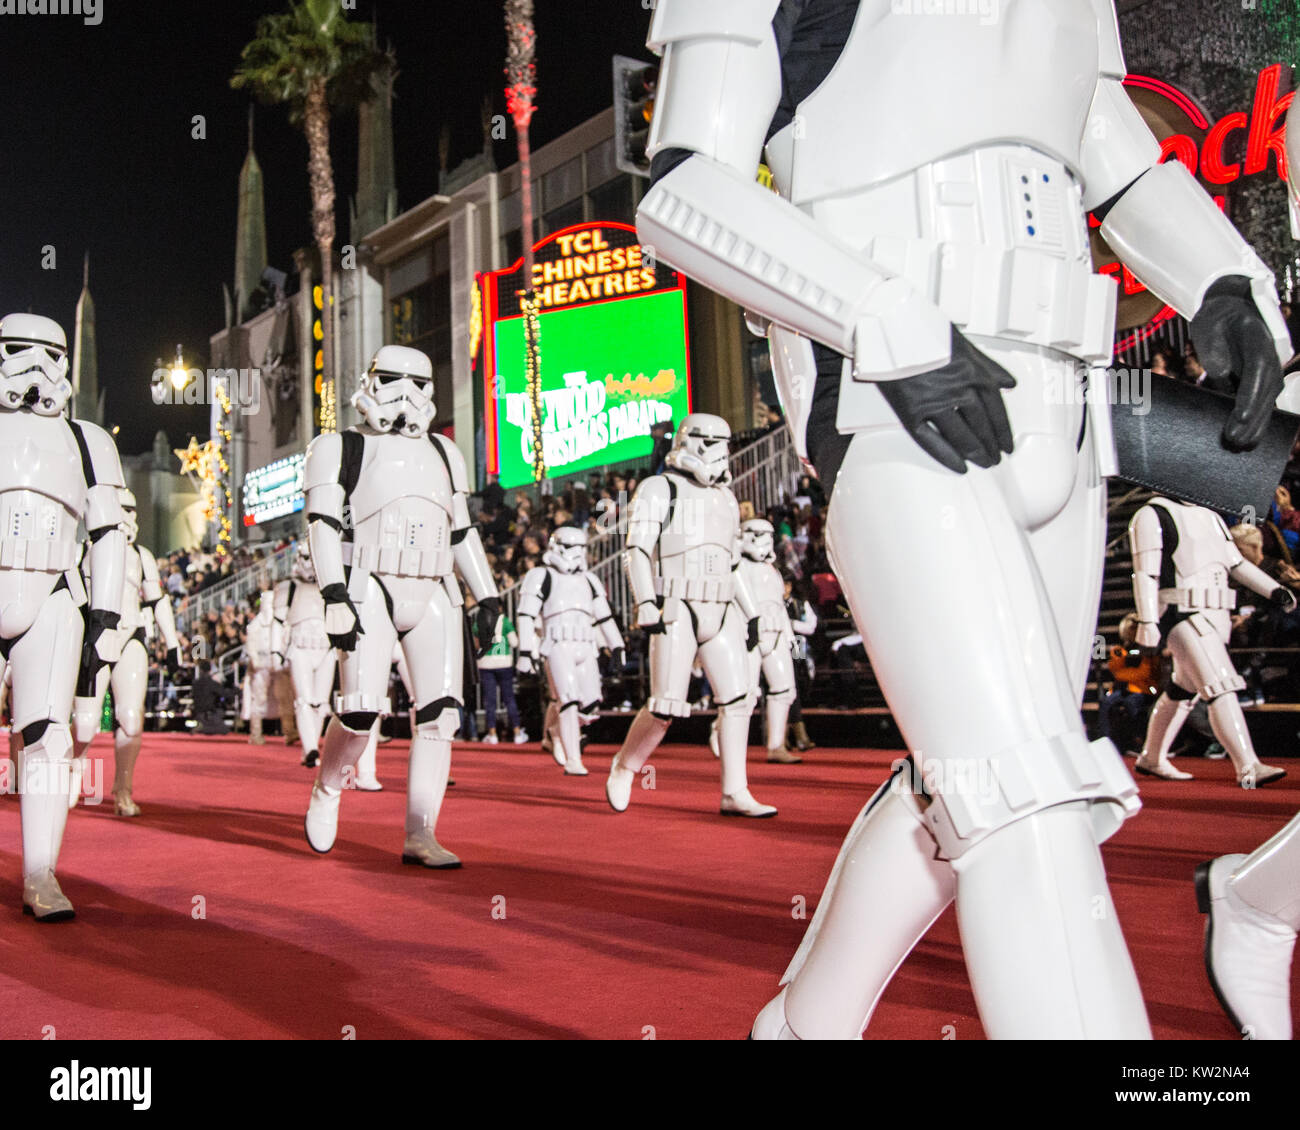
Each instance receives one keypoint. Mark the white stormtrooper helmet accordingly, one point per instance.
(396, 393)
(1293, 163)
(567, 550)
(130, 522)
(33, 364)
(756, 540)
(303, 569)
(701, 449)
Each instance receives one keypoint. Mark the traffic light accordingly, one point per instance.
(634, 108)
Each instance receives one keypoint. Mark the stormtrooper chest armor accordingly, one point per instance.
(975, 201)
(569, 611)
(42, 492)
(1201, 559)
(697, 543)
(401, 510)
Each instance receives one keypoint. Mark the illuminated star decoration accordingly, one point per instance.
(191, 457)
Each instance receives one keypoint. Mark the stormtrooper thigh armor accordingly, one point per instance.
(573, 673)
(1015, 799)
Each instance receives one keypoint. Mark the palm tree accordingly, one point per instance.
(311, 58)
(521, 90)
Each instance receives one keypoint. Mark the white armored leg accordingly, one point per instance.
(778, 668)
(725, 661)
(884, 892)
(1064, 972)
(1253, 904)
(551, 741)
(44, 806)
(569, 690)
(367, 777)
(87, 714)
(1167, 718)
(1201, 660)
(672, 654)
(129, 679)
(426, 786)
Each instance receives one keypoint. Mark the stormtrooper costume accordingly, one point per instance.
(54, 473)
(260, 651)
(300, 641)
(1183, 556)
(128, 674)
(924, 277)
(773, 659)
(564, 618)
(367, 780)
(1253, 901)
(389, 521)
(683, 548)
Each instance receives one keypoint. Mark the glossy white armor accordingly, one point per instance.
(1183, 558)
(773, 659)
(304, 645)
(50, 481)
(896, 218)
(563, 617)
(683, 544)
(390, 539)
(396, 392)
(127, 674)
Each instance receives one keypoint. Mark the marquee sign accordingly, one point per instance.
(613, 346)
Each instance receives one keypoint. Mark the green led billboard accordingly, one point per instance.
(611, 368)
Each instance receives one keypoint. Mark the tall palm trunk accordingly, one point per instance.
(316, 122)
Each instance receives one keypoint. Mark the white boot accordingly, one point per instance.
(44, 814)
(426, 785)
(771, 1023)
(733, 740)
(322, 822)
(367, 781)
(1247, 949)
(1167, 718)
(126, 750)
(643, 738)
(618, 786)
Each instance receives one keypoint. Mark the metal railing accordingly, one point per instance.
(238, 586)
(765, 473)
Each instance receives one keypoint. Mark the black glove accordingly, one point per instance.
(486, 616)
(173, 661)
(617, 660)
(97, 623)
(346, 634)
(1233, 342)
(1284, 598)
(751, 641)
(956, 413)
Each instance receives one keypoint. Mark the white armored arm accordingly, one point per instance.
(605, 623)
(528, 610)
(1253, 577)
(646, 518)
(158, 600)
(324, 505)
(1155, 217)
(1146, 544)
(280, 618)
(467, 546)
(107, 557)
(709, 217)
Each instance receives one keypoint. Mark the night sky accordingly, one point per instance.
(98, 156)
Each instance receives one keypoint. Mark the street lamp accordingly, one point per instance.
(180, 375)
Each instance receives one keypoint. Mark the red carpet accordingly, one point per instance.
(668, 917)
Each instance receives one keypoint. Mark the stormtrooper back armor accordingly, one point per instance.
(564, 618)
(683, 544)
(53, 475)
(388, 521)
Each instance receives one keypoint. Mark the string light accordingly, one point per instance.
(533, 354)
